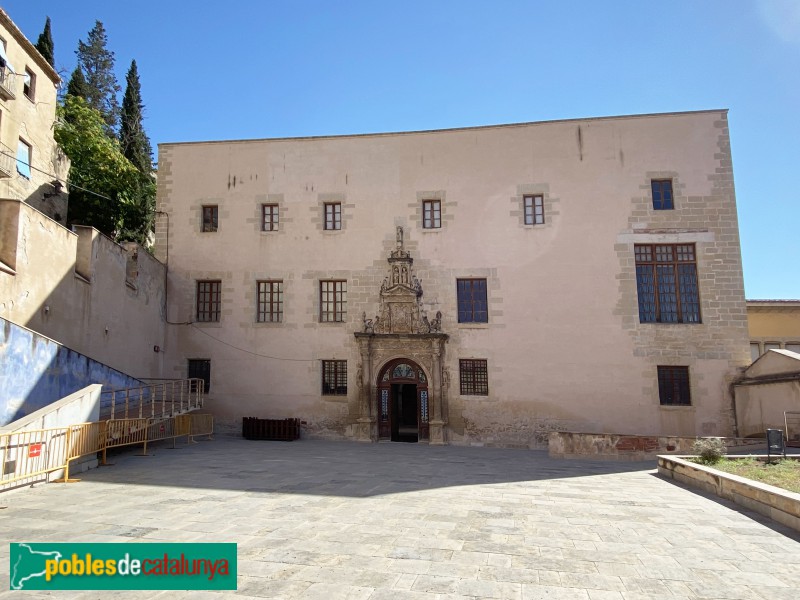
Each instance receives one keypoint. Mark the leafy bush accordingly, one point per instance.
(709, 450)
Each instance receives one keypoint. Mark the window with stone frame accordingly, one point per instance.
(474, 377)
(431, 214)
(472, 303)
(534, 209)
(662, 194)
(332, 301)
(210, 220)
(333, 215)
(208, 301)
(673, 386)
(666, 282)
(269, 217)
(24, 158)
(270, 301)
(29, 84)
(334, 377)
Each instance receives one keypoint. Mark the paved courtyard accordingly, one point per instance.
(334, 520)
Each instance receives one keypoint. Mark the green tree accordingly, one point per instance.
(97, 164)
(77, 85)
(45, 44)
(138, 215)
(97, 63)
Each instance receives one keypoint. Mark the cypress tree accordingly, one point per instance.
(132, 137)
(45, 44)
(97, 63)
(77, 85)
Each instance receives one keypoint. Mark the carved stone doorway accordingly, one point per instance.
(403, 412)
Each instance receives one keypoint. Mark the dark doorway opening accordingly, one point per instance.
(405, 427)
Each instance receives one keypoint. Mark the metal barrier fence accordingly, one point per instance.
(30, 456)
(162, 399)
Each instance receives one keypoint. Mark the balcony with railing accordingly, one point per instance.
(7, 82)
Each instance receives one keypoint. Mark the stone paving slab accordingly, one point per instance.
(332, 520)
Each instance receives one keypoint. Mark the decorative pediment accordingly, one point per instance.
(401, 298)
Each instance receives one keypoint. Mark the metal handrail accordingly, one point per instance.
(163, 399)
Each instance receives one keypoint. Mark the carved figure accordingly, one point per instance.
(417, 287)
(436, 324)
(399, 237)
(426, 326)
(404, 275)
(359, 377)
(395, 275)
(368, 327)
(384, 284)
(376, 327)
(445, 376)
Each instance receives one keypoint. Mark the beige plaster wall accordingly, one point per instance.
(761, 406)
(773, 324)
(564, 345)
(31, 120)
(82, 290)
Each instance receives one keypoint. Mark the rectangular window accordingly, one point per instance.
(666, 282)
(662, 194)
(332, 301)
(269, 217)
(431, 214)
(200, 368)
(534, 210)
(24, 154)
(771, 346)
(270, 301)
(793, 347)
(673, 386)
(472, 304)
(755, 351)
(333, 215)
(334, 378)
(474, 377)
(210, 218)
(208, 300)
(29, 84)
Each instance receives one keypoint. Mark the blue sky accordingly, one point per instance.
(295, 68)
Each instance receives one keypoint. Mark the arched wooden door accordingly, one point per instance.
(402, 395)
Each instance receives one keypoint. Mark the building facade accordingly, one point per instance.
(485, 285)
(774, 325)
(32, 167)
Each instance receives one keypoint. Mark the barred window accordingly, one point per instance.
(334, 377)
(474, 377)
(662, 194)
(431, 214)
(208, 300)
(210, 219)
(333, 215)
(269, 217)
(270, 301)
(666, 282)
(332, 301)
(472, 304)
(534, 210)
(673, 386)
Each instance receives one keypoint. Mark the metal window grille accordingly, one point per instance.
(662, 194)
(269, 217)
(431, 214)
(208, 300)
(474, 377)
(472, 303)
(270, 301)
(334, 377)
(333, 301)
(673, 386)
(210, 218)
(666, 281)
(534, 210)
(333, 215)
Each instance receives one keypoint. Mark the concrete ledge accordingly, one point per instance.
(777, 504)
(618, 446)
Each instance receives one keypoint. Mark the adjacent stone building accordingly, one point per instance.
(483, 285)
(774, 325)
(32, 167)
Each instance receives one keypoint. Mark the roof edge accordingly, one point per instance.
(447, 130)
(40, 60)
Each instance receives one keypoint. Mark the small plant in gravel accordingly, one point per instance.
(709, 450)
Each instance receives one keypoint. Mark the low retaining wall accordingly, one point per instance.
(616, 446)
(777, 504)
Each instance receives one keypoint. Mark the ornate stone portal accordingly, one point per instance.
(401, 330)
